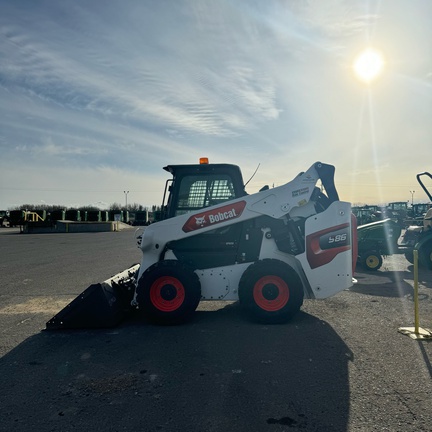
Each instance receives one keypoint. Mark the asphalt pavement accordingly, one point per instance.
(340, 365)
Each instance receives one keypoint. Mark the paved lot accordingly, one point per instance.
(341, 365)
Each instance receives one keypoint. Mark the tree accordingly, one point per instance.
(136, 207)
(115, 206)
(88, 208)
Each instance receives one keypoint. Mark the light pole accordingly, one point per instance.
(126, 194)
(412, 198)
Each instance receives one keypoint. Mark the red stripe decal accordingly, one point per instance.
(323, 246)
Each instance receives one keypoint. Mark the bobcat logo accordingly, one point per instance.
(208, 218)
(200, 220)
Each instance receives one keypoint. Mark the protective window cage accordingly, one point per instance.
(199, 192)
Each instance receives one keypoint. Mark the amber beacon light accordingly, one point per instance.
(203, 161)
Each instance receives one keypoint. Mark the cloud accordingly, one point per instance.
(88, 89)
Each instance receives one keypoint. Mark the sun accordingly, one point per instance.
(368, 65)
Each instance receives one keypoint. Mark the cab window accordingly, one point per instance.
(196, 192)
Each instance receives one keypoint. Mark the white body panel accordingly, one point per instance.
(336, 275)
(221, 283)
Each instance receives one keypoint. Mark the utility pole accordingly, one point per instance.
(412, 198)
(126, 194)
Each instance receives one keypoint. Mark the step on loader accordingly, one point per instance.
(212, 241)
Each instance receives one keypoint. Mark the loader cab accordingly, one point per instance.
(197, 186)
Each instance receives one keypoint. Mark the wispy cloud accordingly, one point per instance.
(97, 86)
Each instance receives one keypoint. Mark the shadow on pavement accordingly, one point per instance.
(383, 283)
(218, 373)
(391, 283)
(424, 276)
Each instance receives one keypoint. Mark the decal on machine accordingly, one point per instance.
(323, 246)
(302, 191)
(308, 179)
(214, 216)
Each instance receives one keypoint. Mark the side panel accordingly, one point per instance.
(327, 260)
(221, 283)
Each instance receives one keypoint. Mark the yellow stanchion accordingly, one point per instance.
(416, 332)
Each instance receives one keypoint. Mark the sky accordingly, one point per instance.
(97, 96)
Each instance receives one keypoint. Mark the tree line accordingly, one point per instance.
(134, 207)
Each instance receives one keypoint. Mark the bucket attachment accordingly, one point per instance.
(101, 305)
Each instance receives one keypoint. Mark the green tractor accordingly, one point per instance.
(376, 240)
(381, 238)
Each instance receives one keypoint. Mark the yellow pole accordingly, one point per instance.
(416, 332)
(416, 305)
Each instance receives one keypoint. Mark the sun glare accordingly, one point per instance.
(368, 65)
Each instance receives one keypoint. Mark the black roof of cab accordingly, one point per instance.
(181, 171)
(233, 170)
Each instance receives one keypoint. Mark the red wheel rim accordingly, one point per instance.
(167, 294)
(271, 293)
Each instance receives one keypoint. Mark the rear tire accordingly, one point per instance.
(168, 292)
(425, 255)
(270, 291)
(372, 260)
(409, 256)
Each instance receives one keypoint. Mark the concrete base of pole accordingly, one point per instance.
(413, 333)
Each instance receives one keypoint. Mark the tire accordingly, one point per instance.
(270, 292)
(409, 256)
(372, 260)
(425, 255)
(168, 292)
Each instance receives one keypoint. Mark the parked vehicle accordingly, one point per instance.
(387, 236)
(375, 240)
(364, 214)
(420, 237)
(398, 211)
(417, 212)
(269, 250)
(4, 218)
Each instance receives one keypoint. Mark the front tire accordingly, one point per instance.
(372, 260)
(168, 292)
(270, 291)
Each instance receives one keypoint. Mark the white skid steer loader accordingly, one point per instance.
(212, 241)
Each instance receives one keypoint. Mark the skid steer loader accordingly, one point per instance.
(269, 250)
